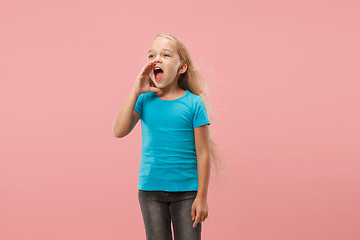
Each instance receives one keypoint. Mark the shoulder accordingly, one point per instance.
(146, 95)
(192, 95)
(195, 99)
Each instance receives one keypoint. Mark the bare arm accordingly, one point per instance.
(126, 118)
(203, 158)
(199, 209)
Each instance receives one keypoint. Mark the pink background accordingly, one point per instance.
(283, 79)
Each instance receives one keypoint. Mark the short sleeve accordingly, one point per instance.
(200, 114)
(139, 104)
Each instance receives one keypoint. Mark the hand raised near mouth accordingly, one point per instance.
(142, 84)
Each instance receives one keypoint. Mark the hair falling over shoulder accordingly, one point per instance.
(194, 82)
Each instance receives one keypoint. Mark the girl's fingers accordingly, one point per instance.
(202, 218)
(197, 220)
(154, 89)
(148, 67)
(193, 213)
(145, 68)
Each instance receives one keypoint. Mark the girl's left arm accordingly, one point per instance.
(199, 210)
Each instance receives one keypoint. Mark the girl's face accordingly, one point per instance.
(163, 51)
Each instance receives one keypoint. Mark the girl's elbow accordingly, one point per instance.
(119, 134)
(205, 156)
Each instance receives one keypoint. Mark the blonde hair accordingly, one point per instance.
(193, 81)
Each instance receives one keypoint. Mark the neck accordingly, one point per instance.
(170, 91)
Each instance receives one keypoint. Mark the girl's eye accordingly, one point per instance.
(164, 55)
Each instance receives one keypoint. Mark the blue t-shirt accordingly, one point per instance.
(168, 154)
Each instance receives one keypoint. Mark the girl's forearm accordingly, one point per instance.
(203, 166)
(123, 120)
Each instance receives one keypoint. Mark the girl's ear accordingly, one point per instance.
(182, 68)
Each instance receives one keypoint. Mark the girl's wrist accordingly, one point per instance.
(201, 196)
(136, 93)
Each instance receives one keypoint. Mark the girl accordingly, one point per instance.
(176, 143)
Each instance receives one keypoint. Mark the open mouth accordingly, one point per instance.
(158, 73)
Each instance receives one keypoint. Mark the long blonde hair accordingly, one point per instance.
(194, 82)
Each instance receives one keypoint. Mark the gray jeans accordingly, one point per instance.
(160, 208)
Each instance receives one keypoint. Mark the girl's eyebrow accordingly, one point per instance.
(163, 49)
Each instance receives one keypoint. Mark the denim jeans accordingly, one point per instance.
(160, 208)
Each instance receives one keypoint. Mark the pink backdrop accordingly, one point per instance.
(283, 79)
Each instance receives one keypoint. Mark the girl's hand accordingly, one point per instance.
(199, 210)
(142, 84)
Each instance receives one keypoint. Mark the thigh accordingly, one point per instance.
(156, 215)
(181, 217)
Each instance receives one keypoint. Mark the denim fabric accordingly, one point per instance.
(160, 208)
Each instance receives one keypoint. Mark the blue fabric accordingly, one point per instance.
(168, 154)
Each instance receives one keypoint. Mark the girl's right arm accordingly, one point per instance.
(127, 118)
